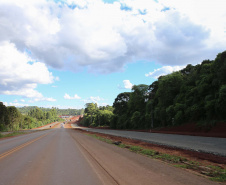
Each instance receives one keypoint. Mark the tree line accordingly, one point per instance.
(97, 116)
(11, 119)
(71, 112)
(193, 94)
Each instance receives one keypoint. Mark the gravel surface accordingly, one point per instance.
(211, 145)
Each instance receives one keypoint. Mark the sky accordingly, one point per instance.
(66, 53)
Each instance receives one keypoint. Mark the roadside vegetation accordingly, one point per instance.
(70, 112)
(11, 119)
(193, 94)
(95, 116)
(11, 134)
(213, 172)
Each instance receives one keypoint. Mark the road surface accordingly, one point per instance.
(62, 156)
(196, 143)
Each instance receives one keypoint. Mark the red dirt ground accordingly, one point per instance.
(204, 158)
(219, 130)
(188, 129)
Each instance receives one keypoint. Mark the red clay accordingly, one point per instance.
(219, 130)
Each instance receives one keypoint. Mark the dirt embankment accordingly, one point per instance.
(219, 130)
(189, 129)
(209, 159)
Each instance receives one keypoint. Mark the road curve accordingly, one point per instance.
(65, 157)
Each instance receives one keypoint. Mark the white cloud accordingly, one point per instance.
(19, 74)
(96, 99)
(63, 106)
(103, 104)
(41, 98)
(93, 99)
(45, 99)
(127, 84)
(163, 71)
(68, 97)
(16, 104)
(203, 12)
(103, 37)
(56, 78)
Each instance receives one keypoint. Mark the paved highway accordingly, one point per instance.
(203, 144)
(62, 156)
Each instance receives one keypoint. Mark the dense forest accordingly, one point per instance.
(97, 116)
(11, 119)
(72, 112)
(193, 94)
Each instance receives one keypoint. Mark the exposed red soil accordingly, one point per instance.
(71, 120)
(204, 158)
(219, 130)
(68, 125)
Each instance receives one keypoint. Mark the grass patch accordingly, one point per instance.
(217, 174)
(170, 158)
(135, 148)
(221, 177)
(101, 138)
(121, 145)
(181, 166)
(193, 165)
(12, 134)
(149, 152)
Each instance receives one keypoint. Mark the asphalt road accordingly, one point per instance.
(197, 143)
(67, 157)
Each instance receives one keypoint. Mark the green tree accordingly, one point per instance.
(49, 115)
(135, 119)
(120, 104)
(168, 90)
(221, 102)
(104, 117)
(4, 117)
(14, 118)
(90, 114)
(137, 103)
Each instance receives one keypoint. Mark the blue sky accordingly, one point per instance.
(67, 53)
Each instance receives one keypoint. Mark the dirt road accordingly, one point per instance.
(64, 156)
